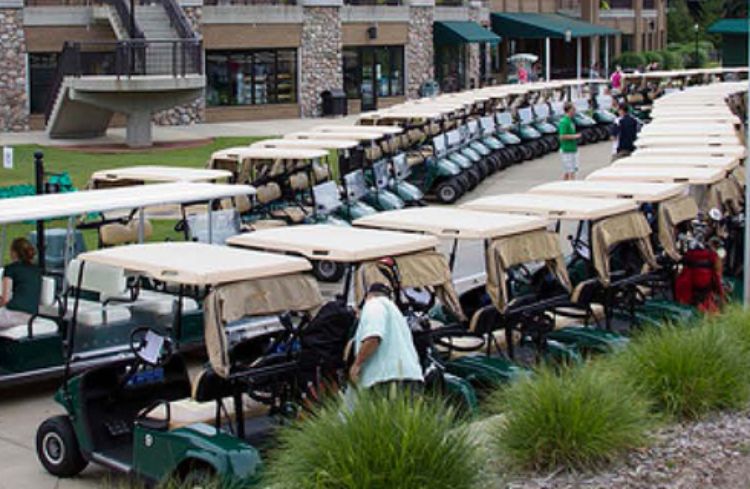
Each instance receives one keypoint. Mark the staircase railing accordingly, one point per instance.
(123, 15)
(178, 19)
(126, 59)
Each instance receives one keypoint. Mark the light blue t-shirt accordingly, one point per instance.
(396, 358)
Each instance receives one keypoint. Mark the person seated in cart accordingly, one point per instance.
(21, 285)
(385, 353)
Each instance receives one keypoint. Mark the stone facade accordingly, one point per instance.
(14, 114)
(420, 52)
(473, 62)
(321, 61)
(195, 111)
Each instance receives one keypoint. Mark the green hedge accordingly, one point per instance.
(630, 59)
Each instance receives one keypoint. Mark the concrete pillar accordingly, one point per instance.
(420, 49)
(548, 58)
(138, 133)
(638, 28)
(579, 56)
(321, 66)
(661, 24)
(481, 16)
(14, 107)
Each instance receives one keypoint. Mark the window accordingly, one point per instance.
(626, 43)
(379, 67)
(42, 71)
(251, 77)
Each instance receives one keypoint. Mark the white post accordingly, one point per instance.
(606, 57)
(578, 57)
(592, 55)
(548, 58)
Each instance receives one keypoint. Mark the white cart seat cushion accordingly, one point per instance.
(187, 411)
(162, 303)
(92, 313)
(108, 281)
(40, 327)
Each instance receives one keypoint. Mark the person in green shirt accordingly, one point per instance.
(21, 286)
(568, 142)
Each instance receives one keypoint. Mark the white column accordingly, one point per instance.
(578, 57)
(606, 57)
(593, 58)
(548, 58)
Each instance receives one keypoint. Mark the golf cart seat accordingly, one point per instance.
(39, 327)
(210, 393)
(162, 303)
(116, 233)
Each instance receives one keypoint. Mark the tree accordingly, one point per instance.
(710, 12)
(679, 22)
(736, 8)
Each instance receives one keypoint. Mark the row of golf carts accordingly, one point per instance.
(558, 273)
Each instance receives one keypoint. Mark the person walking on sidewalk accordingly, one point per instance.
(625, 130)
(569, 142)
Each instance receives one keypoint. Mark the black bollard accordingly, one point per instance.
(39, 180)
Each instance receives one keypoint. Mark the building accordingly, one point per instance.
(273, 58)
(733, 40)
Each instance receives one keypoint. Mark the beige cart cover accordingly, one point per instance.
(672, 213)
(418, 270)
(262, 297)
(609, 232)
(504, 253)
(726, 193)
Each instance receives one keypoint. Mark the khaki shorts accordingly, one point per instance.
(569, 162)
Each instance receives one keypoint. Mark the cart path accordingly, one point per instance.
(22, 410)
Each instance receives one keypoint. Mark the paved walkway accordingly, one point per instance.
(22, 410)
(170, 134)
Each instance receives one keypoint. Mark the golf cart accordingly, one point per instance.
(136, 413)
(609, 249)
(513, 295)
(422, 282)
(34, 350)
(140, 175)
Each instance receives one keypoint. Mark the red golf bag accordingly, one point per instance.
(699, 283)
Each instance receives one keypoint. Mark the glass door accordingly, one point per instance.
(370, 79)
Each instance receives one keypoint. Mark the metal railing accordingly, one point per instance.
(449, 3)
(390, 3)
(126, 59)
(249, 2)
(178, 19)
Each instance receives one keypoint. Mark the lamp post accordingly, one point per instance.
(696, 29)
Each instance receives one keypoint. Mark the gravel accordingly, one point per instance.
(711, 453)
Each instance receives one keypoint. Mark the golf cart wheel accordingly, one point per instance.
(516, 154)
(198, 475)
(528, 153)
(554, 143)
(472, 175)
(538, 149)
(328, 271)
(57, 447)
(448, 192)
(484, 168)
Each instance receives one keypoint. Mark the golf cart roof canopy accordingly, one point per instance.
(335, 243)
(640, 192)
(378, 130)
(555, 207)
(415, 112)
(693, 118)
(346, 136)
(692, 175)
(193, 263)
(725, 150)
(258, 153)
(327, 144)
(667, 128)
(447, 222)
(157, 173)
(726, 163)
(678, 141)
(53, 206)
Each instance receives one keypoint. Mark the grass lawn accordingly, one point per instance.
(80, 165)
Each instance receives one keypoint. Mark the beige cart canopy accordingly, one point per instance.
(163, 174)
(244, 153)
(678, 141)
(695, 118)
(54, 206)
(671, 214)
(378, 130)
(640, 192)
(554, 207)
(335, 243)
(726, 163)
(343, 135)
(690, 175)
(327, 144)
(673, 129)
(736, 151)
(446, 222)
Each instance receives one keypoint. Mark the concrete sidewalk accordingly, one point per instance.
(171, 134)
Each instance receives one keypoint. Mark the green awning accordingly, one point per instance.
(729, 26)
(525, 25)
(461, 32)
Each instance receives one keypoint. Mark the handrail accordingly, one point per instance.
(178, 19)
(123, 15)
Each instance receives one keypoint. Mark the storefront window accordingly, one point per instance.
(379, 68)
(251, 77)
(42, 71)
(450, 66)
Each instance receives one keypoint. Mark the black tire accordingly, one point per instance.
(554, 142)
(497, 162)
(472, 176)
(57, 448)
(537, 149)
(528, 152)
(484, 168)
(198, 475)
(328, 271)
(517, 154)
(448, 192)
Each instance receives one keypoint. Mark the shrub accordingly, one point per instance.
(653, 57)
(631, 59)
(687, 372)
(580, 419)
(735, 321)
(398, 443)
(672, 60)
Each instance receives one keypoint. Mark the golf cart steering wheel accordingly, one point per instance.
(150, 347)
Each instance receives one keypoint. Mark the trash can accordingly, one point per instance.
(334, 102)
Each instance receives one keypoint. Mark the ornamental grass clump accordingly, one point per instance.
(689, 372)
(581, 418)
(398, 443)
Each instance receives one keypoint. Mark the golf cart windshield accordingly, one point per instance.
(356, 186)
